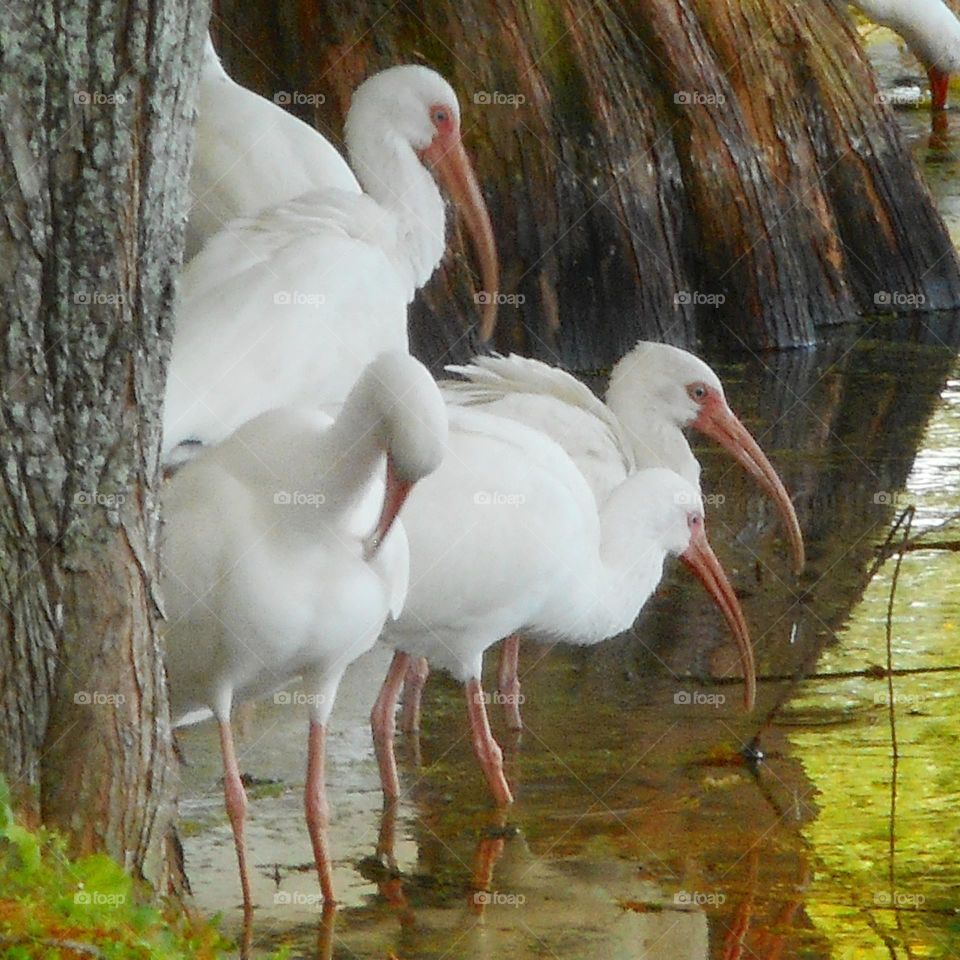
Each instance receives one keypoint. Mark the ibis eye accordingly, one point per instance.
(440, 116)
(697, 392)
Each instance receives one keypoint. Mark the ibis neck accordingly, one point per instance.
(390, 171)
(629, 567)
(654, 439)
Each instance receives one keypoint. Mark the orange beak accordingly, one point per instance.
(701, 559)
(451, 166)
(394, 497)
(720, 423)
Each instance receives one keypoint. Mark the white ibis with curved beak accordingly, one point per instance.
(507, 536)
(932, 32)
(249, 154)
(287, 307)
(655, 391)
(282, 558)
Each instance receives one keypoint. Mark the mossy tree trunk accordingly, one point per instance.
(714, 169)
(95, 130)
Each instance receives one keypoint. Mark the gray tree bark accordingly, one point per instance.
(96, 110)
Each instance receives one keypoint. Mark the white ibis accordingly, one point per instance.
(932, 32)
(507, 536)
(278, 561)
(249, 154)
(288, 306)
(655, 391)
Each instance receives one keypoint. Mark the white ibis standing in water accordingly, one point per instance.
(250, 154)
(507, 536)
(282, 559)
(932, 32)
(655, 391)
(288, 306)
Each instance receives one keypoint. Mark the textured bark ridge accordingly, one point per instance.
(95, 130)
(671, 169)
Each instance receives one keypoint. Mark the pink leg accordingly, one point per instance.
(413, 685)
(236, 801)
(939, 88)
(484, 746)
(383, 722)
(508, 681)
(315, 804)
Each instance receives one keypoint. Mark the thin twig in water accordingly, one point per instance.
(906, 521)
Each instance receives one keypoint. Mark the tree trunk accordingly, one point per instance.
(713, 169)
(95, 129)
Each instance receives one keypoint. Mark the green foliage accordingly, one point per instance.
(55, 908)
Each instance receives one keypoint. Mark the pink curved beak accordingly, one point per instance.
(449, 161)
(703, 562)
(720, 423)
(394, 497)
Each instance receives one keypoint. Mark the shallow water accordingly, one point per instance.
(640, 830)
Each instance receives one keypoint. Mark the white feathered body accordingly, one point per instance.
(251, 154)
(505, 536)
(286, 308)
(262, 582)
